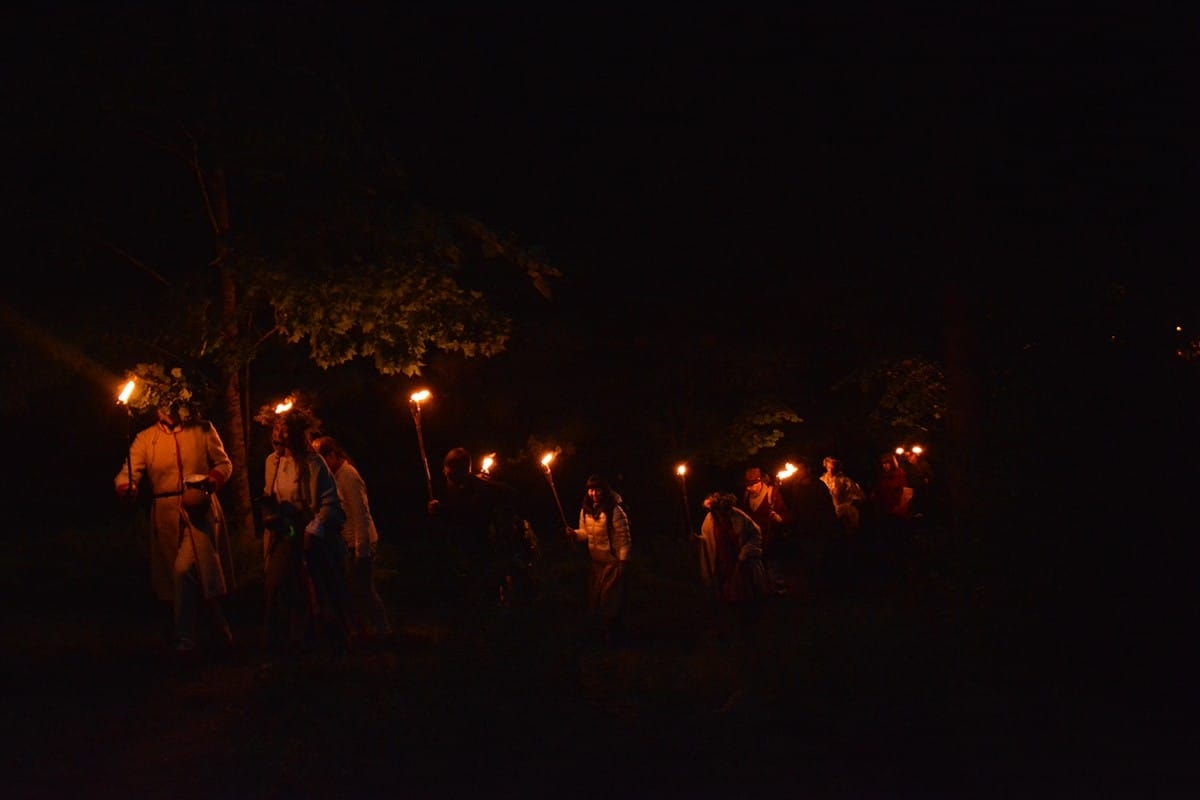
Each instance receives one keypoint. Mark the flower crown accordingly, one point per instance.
(159, 387)
(720, 501)
(296, 409)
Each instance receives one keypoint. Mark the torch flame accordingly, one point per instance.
(681, 470)
(285, 406)
(917, 449)
(485, 466)
(126, 392)
(420, 397)
(546, 459)
(788, 470)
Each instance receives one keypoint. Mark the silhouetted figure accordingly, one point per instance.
(368, 615)
(732, 570)
(731, 557)
(889, 526)
(919, 476)
(813, 526)
(483, 532)
(765, 504)
(891, 496)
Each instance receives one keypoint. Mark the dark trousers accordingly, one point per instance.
(368, 613)
(290, 596)
(608, 594)
(306, 595)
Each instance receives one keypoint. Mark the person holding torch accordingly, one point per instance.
(307, 594)
(604, 525)
(814, 525)
(731, 565)
(181, 461)
(480, 527)
(764, 503)
(731, 568)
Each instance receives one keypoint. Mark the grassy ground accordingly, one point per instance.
(914, 687)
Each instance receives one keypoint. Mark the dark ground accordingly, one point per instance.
(927, 686)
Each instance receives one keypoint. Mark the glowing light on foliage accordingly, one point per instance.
(393, 315)
(909, 394)
(160, 388)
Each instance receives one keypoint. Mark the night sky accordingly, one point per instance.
(799, 144)
(808, 178)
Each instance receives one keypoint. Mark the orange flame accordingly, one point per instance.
(126, 392)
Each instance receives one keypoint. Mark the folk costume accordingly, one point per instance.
(731, 555)
(190, 556)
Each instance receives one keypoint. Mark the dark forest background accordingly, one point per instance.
(724, 238)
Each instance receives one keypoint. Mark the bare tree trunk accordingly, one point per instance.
(963, 397)
(241, 517)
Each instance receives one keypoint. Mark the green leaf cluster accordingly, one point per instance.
(909, 393)
(757, 427)
(389, 314)
(161, 387)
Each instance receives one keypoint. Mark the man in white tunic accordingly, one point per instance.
(183, 463)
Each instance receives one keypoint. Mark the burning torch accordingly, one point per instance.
(123, 399)
(681, 471)
(414, 405)
(546, 459)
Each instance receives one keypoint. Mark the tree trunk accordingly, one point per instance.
(247, 562)
(247, 556)
(963, 396)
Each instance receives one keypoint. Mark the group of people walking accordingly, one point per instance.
(319, 544)
(779, 536)
(319, 537)
(318, 534)
(801, 534)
